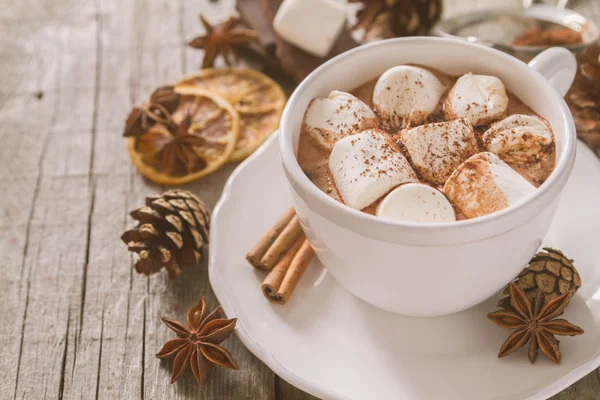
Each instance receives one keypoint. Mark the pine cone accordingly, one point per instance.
(584, 96)
(172, 229)
(550, 271)
(383, 19)
(412, 17)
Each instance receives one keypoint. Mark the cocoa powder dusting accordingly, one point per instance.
(548, 37)
(314, 159)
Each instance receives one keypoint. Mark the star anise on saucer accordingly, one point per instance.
(163, 102)
(222, 40)
(197, 343)
(535, 322)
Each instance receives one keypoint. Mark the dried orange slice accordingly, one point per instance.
(195, 140)
(257, 98)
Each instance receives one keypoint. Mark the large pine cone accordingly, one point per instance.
(172, 230)
(383, 19)
(584, 96)
(550, 271)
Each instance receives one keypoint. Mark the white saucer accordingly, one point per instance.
(331, 344)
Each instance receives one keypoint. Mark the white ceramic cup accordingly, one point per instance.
(431, 269)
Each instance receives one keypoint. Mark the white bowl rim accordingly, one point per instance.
(564, 159)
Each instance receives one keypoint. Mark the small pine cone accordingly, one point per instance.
(411, 17)
(550, 271)
(383, 19)
(584, 97)
(172, 229)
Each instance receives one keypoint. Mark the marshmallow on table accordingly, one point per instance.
(526, 143)
(340, 114)
(485, 184)
(437, 149)
(406, 95)
(480, 98)
(366, 166)
(312, 25)
(416, 202)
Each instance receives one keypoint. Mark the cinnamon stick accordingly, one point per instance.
(258, 251)
(272, 282)
(283, 242)
(279, 285)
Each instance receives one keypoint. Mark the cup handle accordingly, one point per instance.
(558, 65)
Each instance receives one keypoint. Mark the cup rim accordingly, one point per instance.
(295, 173)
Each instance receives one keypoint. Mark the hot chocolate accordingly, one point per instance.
(466, 137)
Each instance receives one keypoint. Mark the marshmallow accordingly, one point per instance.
(405, 96)
(340, 114)
(437, 149)
(485, 184)
(366, 166)
(312, 25)
(519, 138)
(526, 143)
(480, 98)
(416, 202)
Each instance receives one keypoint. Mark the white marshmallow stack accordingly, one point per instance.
(366, 166)
(485, 184)
(480, 98)
(312, 25)
(416, 202)
(405, 96)
(437, 149)
(340, 114)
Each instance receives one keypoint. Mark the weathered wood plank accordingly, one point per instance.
(55, 262)
(14, 240)
(587, 388)
(285, 391)
(46, 217)
(24, 121)
(109, 354)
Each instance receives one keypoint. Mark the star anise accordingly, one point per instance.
(171, 147)
(535, 322)
(162, 103)
(197, 344)
(221, 40)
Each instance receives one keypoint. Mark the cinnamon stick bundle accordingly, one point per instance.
(271, 246)
(285, 252)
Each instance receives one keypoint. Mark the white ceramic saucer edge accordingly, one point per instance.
(312, 387)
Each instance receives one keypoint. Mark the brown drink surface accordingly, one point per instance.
(314, 159)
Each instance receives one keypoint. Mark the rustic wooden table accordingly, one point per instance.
(76, 321)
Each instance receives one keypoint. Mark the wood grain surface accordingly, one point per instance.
(77, 322)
